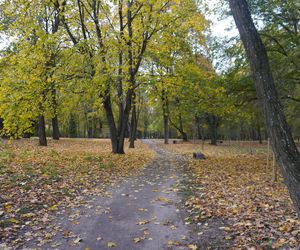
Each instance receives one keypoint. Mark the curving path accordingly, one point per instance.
(140, 212)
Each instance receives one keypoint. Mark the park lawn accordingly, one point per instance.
(234, 186)
(37, 181)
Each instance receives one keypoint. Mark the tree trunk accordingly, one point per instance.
(90, 127)
(213, 127)
(183, 134)
(133, 125)
(180, 128)
(1, 124)
(213, 131)
(198, 124)
(112, 126)
(282, 141)
(55, 128)
(259, 133)
(146, 124)
(100, 126)
(42, 131)
(117, 135)
(166, 128)
(165, 104)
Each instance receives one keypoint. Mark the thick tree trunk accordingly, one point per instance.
(55, 128)
(112, 127)
(117, 135)
(282, 141)
(213, 127)
(213, 134)
(42, 131)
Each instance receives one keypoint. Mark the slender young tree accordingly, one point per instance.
(281, 137)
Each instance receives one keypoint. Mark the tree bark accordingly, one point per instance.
(90, 128)
(55, 128)
(282, 141)
(133, 125)
(112, 126)
(42, 131)
(213, 127)
(179, 128)
(166, 128)
(182, 132)
(165, 104)
(259, 133)
(198, 124)
(1, 124)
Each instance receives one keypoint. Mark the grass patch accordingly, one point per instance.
(93, 158)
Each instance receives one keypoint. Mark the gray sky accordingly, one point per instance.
(221, 28)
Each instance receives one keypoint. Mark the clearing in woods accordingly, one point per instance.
(227, 200)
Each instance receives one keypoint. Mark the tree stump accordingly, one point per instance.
(198, 156)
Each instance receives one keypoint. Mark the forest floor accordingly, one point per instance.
(234, 185)
(76, 195)
(39, 183)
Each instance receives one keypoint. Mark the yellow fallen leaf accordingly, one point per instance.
(163, 199)
(13, 220)
(53, 208)
(142, 222)
(143, 209)
(8, 207)
(136, 240)
(111, 244)
(192, 247)
(28, 215)
(170, 242)
(285, 228)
